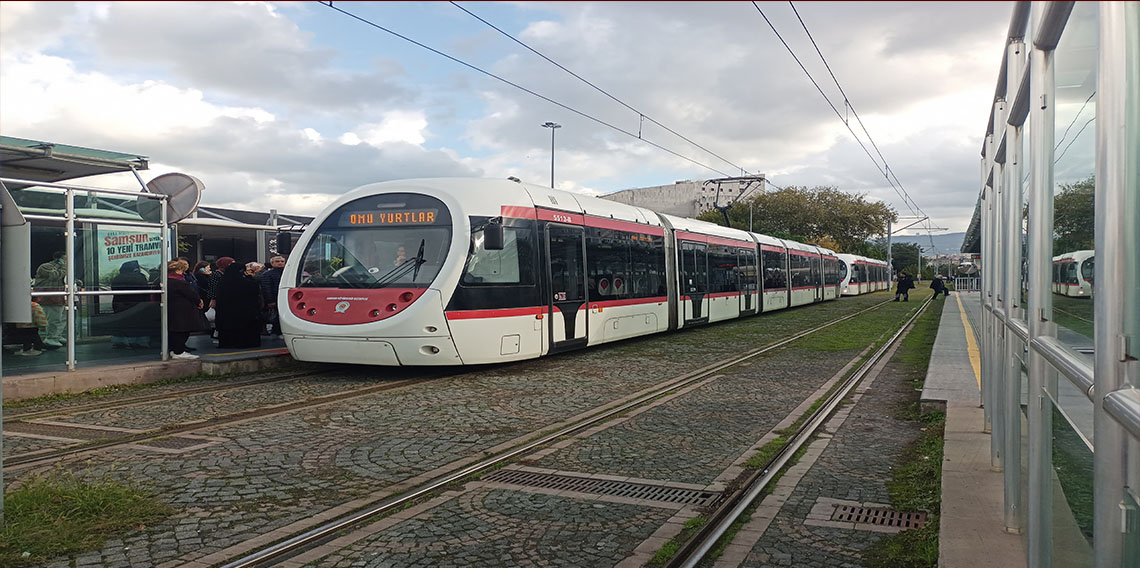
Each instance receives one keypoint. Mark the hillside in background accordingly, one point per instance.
(948, 243)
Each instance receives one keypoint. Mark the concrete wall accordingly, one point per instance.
(687, 198)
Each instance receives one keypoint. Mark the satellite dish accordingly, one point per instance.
(183, 193)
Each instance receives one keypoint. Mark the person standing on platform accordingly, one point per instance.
(50, 277)
(270, 281)
(238, 306)
(130, 332)
(182, 309)
(902, 289)
(28, 334)
(216, 278)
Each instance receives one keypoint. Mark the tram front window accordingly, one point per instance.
(375, 258)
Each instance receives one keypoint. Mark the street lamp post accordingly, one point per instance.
(552, 126)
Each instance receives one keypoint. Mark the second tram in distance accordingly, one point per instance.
(471, 271)
(1073, 273)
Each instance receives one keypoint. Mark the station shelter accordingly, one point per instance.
(93, 258)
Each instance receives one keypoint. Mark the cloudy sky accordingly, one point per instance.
(287, 105)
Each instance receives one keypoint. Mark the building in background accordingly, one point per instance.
(689, 198)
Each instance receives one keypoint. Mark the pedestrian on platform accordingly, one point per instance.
(238, 305)
(28, 334)
(49, 278)
(903, 287)
(270, 281)
(216, 278)
(182, 309)
(131, 330)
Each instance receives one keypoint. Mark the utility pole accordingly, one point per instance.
(552, 126)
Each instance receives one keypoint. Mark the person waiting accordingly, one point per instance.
(27, 335)
(182, 309)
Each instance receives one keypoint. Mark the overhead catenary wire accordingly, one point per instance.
(521, 88)
(885, 169)
(832, 105)
(641, 114)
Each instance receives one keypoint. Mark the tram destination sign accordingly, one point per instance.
(400, 217)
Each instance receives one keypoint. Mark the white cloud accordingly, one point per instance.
(252, 103)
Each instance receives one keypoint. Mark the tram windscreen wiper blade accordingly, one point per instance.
(419, 260)
(403, 268)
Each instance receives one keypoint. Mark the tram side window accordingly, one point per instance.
(723, 270)
(815, 271)
(647, 255)
(694, 268)
(830, 272)
(746, 263)
(514, 265)
(801, 271)
(775, 274)
(608, 263)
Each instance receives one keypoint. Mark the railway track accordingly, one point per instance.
(735, 505)
(31, 459)
(158, 397)
(298, 544)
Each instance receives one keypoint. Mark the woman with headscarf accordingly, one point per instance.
(238, 307)
(182, 303)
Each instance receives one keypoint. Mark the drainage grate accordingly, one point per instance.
(879, 517)
(57, 431)
(604, 487)
(174, 443)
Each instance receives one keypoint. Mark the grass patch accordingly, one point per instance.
(1075, 314)
(59, 514)
(670, 548)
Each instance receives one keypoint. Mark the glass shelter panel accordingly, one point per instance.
(1074, 157)
(1072, 489)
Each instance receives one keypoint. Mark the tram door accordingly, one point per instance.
(746, 276)
(565, 247)
(694, 273)
(817, 277)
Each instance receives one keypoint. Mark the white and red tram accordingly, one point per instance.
(469, 271)
(862, 275)
(1073, 273)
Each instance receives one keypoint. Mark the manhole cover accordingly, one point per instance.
(878, 516)
(660, 493)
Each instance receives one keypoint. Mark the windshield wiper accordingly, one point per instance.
(419, 260)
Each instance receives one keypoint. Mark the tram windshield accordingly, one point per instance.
(391, 240)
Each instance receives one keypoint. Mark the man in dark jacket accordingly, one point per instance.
(903, 287)
(939, 286)
(270, 281)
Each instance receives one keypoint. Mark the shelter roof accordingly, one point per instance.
(34, 160)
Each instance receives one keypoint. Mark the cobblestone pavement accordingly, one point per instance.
(855, 466)
(693, 438)
(270, 472)
(509, 528)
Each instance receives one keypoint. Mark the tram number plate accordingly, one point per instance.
(562, 219)
(560, 296)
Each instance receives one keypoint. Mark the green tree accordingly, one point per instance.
(817, 214)
(1074, 213)
(904, 256)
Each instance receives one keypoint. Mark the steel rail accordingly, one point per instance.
(694, 550)
(314, 537)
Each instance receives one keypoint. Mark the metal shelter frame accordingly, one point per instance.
(1020, 332)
